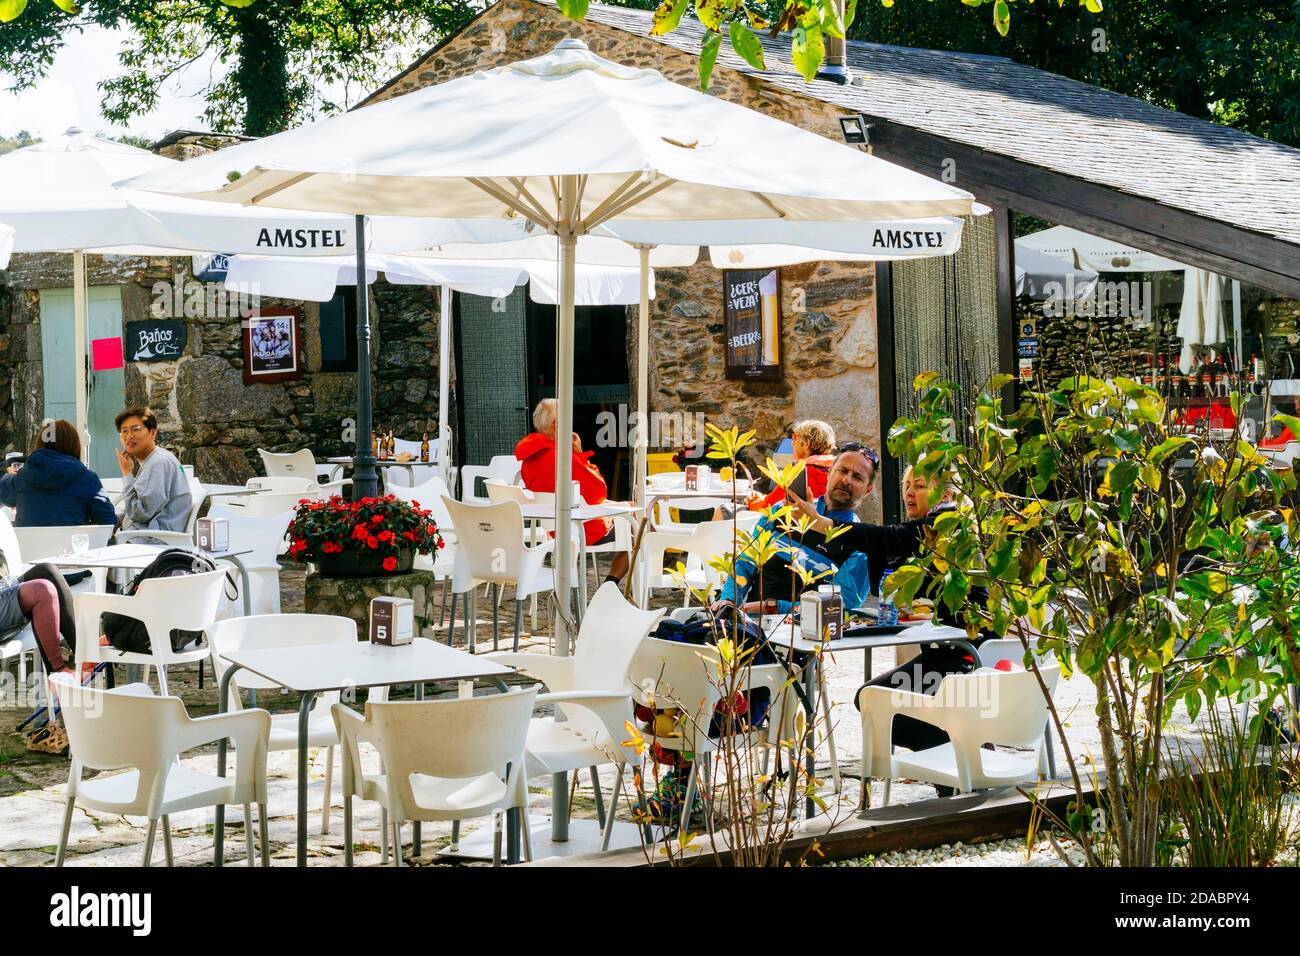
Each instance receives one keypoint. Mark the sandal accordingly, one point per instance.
(49, 739)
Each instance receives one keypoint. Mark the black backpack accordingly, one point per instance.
(128, 634)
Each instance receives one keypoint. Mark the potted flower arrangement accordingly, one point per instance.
(372, 537)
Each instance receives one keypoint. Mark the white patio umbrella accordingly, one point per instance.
(1200, 318)
(1086, 251)
(571, 142)
(6, 244)
(1036, 272)
(59, 196)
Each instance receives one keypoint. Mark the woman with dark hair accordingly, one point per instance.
(54, 489)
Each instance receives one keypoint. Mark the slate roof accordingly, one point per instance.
(1045, 120)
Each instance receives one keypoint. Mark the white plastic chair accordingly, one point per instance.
(661, 517)
(52, 542)
(265, 537)
(187, 603)
(295, 464)
(501, 468)
(267, 503)
(198, 495)
(987, 706)
(313, 634)
(131, 729)
(490, 549)
(686, 676)
(1283, 457)
(591, 691)
(442, 760)
(701, 543)
(283, 483)
(173, 539)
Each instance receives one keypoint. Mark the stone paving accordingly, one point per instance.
(32, 785)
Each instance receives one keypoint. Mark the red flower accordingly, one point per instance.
(385, 536)
(372, 542)
(376, 519)
(390, 564)
(360, 532)
(408, 535)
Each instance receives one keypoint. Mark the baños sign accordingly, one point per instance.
(154, 340)
(752, 305)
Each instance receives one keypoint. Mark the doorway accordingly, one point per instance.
(106, 390)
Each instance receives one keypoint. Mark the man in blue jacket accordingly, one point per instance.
(54, 489)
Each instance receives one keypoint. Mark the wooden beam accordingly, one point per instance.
(1005, 257)
(1229, 250)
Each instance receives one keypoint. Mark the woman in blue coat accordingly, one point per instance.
(54, 489)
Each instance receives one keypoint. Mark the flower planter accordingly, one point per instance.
(369, 564)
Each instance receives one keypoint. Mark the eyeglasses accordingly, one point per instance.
(132, 430)
(867, 451)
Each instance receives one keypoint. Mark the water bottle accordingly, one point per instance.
(888, 615)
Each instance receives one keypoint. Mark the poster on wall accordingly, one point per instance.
(155, 340)
(752, 307)
(271, 351)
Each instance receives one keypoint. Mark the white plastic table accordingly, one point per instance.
(338, 463)
(309, 672)
(137, 557)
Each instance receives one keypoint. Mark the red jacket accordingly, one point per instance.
(536, 454)
(816, 469)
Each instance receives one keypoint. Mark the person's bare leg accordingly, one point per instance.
(618, 566)
(40, 603)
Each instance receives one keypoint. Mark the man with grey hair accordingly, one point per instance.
(536, 454)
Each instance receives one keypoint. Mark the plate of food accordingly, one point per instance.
(921, 612)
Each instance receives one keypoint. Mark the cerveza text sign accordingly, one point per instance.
(751, 305)
(154, 340)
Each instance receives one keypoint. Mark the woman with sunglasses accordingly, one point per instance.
(890, 546)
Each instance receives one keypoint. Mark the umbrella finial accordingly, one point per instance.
(571, 43)
(74, 131)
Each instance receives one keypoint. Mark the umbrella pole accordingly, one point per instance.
(365, 483)
(79, 317)
(643, 376)
(444, 382)
(568, 243)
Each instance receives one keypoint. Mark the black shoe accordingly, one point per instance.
(940, 791)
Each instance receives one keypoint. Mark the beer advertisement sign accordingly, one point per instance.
(752, 307)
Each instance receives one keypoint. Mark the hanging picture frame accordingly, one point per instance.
(272, 351)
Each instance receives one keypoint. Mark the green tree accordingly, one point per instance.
(20, 139)
(1162, 582)
(278, 53)
(1235, 62)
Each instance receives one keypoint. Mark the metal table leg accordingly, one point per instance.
(304, 716)
(219, 833)
(810, 710)
(415, 824)
(243, 582)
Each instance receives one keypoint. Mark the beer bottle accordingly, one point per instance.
(383, 446)
(374, 443)
(424, 447)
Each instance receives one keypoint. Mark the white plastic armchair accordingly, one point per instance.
(296, 464)
(687, 676)
(987, 706)
(592, 694)
(264, 536)
(490, 549)
(442, 760)
(283, 483)
(131, 729)
(187, 603)
(701, 543)
(501, 468)
(314, 634)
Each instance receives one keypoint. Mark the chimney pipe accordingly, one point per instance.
(836, 65)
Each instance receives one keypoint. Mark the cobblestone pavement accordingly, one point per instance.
(31, 785)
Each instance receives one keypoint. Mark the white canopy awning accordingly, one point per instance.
(1041, 276)
(1087, 251)
(6, 244)
(317, 278)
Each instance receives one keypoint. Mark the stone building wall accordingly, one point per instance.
(207, 415)
(829, 309)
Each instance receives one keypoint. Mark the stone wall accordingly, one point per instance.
(829, 340)
(207, 415)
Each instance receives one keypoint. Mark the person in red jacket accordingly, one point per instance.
(814, 445)
(536, 454)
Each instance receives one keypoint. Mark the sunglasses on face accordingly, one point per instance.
(867, 451)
